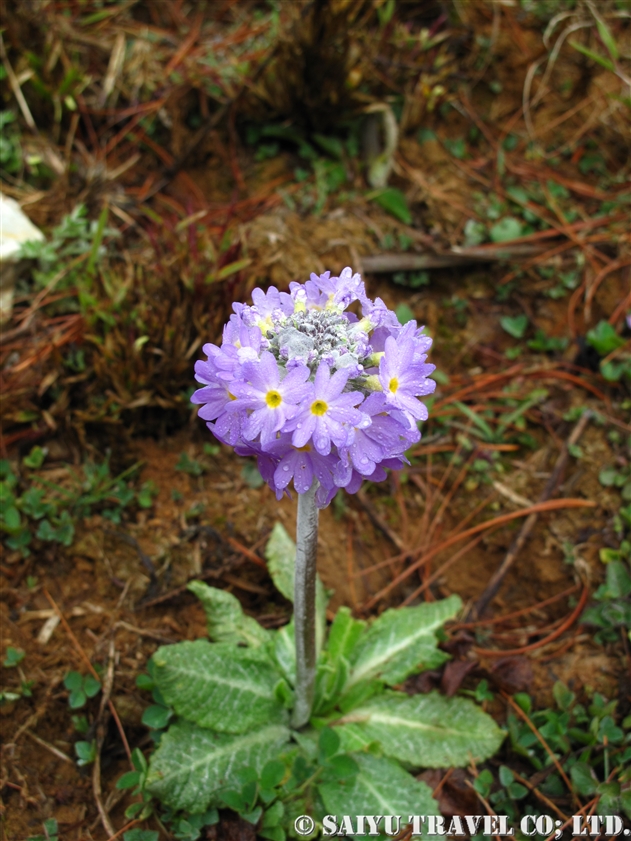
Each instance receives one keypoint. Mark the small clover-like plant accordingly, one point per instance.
(81, 687)
(32, 507)
(135, 781)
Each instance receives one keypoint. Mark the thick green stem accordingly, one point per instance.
(304, 605)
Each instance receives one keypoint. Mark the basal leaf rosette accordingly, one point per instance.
(314, 391)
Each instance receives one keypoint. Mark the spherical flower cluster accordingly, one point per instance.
(313, 390)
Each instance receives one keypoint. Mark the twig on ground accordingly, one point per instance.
(495, 583)
(15, 87)
(142, 632)
(50, 748)
(101, 728)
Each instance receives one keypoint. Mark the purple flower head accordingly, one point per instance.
(316, 394)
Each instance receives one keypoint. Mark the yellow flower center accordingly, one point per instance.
(319, 407)
(231, 396)
(393, 385)
(273, 399)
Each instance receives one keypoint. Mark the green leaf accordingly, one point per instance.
(333, 667)
(515, 326)
(280, 554)
(73, 681)
(604, 62)
(404, 313)
(191, 764)
(91, 686)
(253, 816)
(618, 580)
(141, 834)
(285, 651)
(218, 685)
(607, 39)
(129, 780)
(506, 229)
(608, 476)
(273, 815)
(12, 657)
(225, 618)
(517, 791)
(604, 339)
(233, 800)
(144, 681)
(331, 145)
(563, 696)
(156, 716)
(50, 827)
(35, 458)
(483, 782)
(251, 475)
(506, 775)
(328, 744)
(401, 642)
(77, 699)
(86, 752)
(273, 833)
(138, 760)
(583, 779)
(428, 731)
(344, 634)
(341, 767)
(381, 787)
(609, 733)
(457, 147)
(11, 518)
(393, 201)
(272, 774)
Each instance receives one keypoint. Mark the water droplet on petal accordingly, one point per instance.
(286, 468)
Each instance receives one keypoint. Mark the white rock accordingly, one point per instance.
(15, 228)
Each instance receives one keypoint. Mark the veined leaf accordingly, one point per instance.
(333, 666)
(225, 617)
(280, 554)
(426, 731)
(381, 787)
(191, 764)
(219, 686)
(285, 651)
(401, 642)
(344, 634)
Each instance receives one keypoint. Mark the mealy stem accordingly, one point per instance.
(304, 605)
